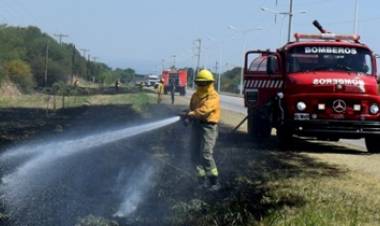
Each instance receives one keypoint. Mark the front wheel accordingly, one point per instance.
(373, 144)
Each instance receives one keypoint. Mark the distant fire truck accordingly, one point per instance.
(321, 85)
(177, 78)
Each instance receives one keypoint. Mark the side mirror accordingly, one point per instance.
(365, 68)
(271, 65)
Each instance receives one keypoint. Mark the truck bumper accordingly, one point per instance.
(335, 128)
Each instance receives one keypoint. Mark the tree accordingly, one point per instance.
(20, 73)
(231, 80)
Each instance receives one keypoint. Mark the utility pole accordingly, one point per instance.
(290, 19)
(46, 63)
(94, 58)
(89, 71)
(356, 12)
(163, 64)
(73, 65)
(218, 73)
(84, 52)
(174, 56)
(60, 36)
(198, 55)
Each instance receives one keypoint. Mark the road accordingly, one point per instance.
(236, 104)
(230, 103)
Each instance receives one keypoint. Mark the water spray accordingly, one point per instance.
(38, 159)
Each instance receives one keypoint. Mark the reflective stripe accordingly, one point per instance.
(213, 172)
(263, 83)
(272, 83)
(200, 171)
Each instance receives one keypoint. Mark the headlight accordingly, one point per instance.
(301, 106)
(374, 109)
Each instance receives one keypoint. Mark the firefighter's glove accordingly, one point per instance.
(184, 115)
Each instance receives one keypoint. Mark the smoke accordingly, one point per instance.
(135, 188)
(44, 165)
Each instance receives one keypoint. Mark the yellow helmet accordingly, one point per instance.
(204, 76)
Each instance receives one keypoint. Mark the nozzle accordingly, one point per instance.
(319, 26)
(184, 117)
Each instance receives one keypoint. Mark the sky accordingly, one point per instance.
(145, 34)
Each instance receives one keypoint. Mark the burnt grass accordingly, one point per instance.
(247, 168)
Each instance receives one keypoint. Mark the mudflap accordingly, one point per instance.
(372, 144)
(260, 122)
(285, 137)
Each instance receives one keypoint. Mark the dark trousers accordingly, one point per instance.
(203, 138)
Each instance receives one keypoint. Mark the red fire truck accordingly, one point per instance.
(322, 86)
(177, 78)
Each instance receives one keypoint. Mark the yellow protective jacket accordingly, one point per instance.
(205, 104)
(160, 88)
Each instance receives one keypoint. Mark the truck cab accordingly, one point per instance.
(323, 86)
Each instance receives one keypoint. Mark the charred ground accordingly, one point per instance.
(259, 182)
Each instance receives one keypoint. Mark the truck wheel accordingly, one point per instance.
(372, 144)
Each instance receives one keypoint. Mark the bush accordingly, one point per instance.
(231, 80)
(20, 73)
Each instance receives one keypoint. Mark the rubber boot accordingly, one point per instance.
(214, 184)
(201, 182)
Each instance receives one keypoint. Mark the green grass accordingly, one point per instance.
(346, 201)
(139, 101)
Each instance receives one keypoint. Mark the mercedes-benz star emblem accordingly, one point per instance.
(339, 106)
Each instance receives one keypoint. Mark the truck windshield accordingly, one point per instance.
(329, 58)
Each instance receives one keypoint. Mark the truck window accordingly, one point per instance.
(259, 65)
(329, 58)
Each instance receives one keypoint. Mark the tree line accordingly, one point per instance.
(31, 59)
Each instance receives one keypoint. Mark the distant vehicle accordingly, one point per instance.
(322, 86)
(176, 77)
(152, 80)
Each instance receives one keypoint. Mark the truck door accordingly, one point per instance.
(262, 77)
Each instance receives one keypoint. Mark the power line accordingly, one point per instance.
(84, 52)
(60, 36)
(17, 10)
(337, 22)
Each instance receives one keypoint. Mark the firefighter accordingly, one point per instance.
(117, 85)
(160, 91)
(172, 90)
(205, 115)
